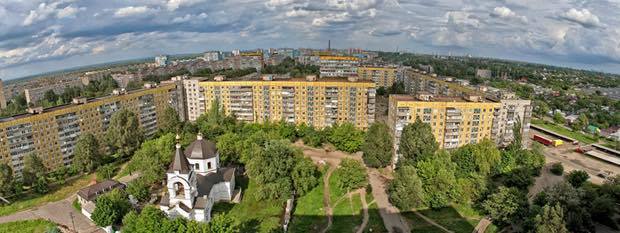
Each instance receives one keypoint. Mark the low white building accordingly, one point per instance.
(195, 182)
(87, 196)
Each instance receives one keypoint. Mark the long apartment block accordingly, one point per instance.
(52, 133)
(510, 111)
(380, 75)
(338, 66)
(454, 121)
(320, 103)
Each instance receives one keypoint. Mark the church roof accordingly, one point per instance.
(90, 193)
(206, 182)
(179, 162)
(201, 149)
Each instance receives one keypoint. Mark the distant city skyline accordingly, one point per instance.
(43, 36)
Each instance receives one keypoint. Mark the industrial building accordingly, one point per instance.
(338, 66)
(382, 76)
(320, 103)
(53, 132)
(455, 121)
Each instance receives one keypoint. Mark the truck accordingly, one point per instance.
(546, 141)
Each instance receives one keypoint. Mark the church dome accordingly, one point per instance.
(201, 149)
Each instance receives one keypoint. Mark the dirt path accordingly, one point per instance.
(326, 205)
(393, 220)
(361, 228)
(482, 225)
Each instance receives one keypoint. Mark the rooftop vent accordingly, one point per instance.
(311, 78)
(35, 110)
(219, 78)
(79, 100)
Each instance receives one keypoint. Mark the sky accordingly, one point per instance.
(42, 36)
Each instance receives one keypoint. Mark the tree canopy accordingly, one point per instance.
(110, 208)
(87, 156)
(378, 146)
(124, 135)
(417, 142)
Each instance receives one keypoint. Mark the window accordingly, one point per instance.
(196, 167)
(209, 165)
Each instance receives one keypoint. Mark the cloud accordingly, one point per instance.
(385, 32)
(190, 17)
(507, 13)
(133, 11)
(45, 11)
(583, 17)
(175, 4)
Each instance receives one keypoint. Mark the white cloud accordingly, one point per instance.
(331, 18)
(98, 49)
(172, 5)
(297, 13)
(45, 11)
(190, 17)
(68, 12)
(461, 18)
(583, 17)
(507, 13)
(133, 11)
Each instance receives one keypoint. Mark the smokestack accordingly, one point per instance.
(329, 45)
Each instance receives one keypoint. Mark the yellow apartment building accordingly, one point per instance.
(53, 132)
(320, 103)
(338, 66)
(381, 76)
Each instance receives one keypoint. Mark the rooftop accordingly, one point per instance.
(90, 193)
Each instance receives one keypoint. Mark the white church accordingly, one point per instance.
(195, 181)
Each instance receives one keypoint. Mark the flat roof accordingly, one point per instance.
(295, 79)
(437, 99)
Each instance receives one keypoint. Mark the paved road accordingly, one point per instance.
(392, 219)
(59, 212)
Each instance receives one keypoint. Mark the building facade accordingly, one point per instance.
(338, 66)
(52, 133)
(2, 97)
(382, 76)
(161, 60)
(454, 121)
(320, 103)
(194, 98)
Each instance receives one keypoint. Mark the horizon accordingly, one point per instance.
(42, 36)
(129, 60)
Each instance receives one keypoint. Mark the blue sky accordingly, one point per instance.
(41, 36)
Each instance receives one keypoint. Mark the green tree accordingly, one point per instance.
(304, 176)
(577, 178)
(271, 169)
(40, 185)
(87, 156)
(106, 172)
(541, 108)
(517, 142)
(153, 157)
(558, 118)
(475, 159)
(139, 189)
(33, 168)
(50, 96)
(110, 208)
(504, 205)
(223, 223)
(6, 179)
(170, 122)
(378, 146)
(229, 145)
(346, 137)
(150, 220)
(580, 123)
(124, 135)
(417, 142)
(352, 174)
(551, 220)
(406, 191)
(438, 179)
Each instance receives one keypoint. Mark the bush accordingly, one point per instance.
(139, 189)
(76, 205)
(577, 178)
(106, 172)
(557, 169)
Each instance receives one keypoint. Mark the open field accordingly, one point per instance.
(583, 138)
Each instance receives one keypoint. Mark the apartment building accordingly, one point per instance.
(380, 75)
(194, 98)
(53, 132)
(338, 66)
(34, 94)
(417, 82)
(2, 97)
(511, 111)
(455, 121)
(320, 103)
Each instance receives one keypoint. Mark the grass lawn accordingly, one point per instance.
(255, 215)
(56, 194)
(375, 222)
(335, 192)
(419, 225)
(27, 226)
(347, 214)
(457, 218)
(584, 138)
(309, 214)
